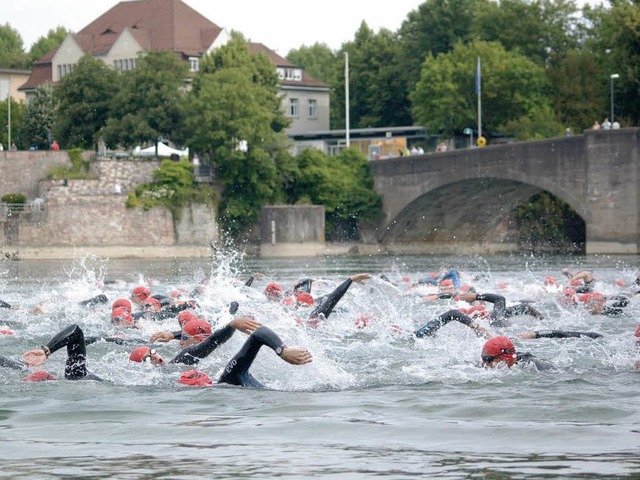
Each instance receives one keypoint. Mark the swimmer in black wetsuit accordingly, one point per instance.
(500, 349)
(500, 311)
(73, 338)
(430, 328)
(237, 370)
(327, 303)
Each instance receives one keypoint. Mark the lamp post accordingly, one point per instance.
(613, 77)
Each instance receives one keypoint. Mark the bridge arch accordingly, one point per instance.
(470, 211)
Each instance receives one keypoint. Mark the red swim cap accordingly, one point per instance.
(305, 298)
(122, 316)
(446, 283)
(142, 293)
(195, 378)
(197, 328)
(6, 332)
(185, 317)
(499, 348)
(139, 354)
(273, 291)
(122, 302)
(362, 321)
(151, 302)
(38, 376)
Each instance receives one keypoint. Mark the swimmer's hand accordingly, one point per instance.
(468, 297)
(34, 358)
(296, 356)
(360, 277)
(246, 324)
(161, 337)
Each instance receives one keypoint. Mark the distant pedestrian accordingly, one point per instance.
(606, 125)
(568, 132)
(13, 147)
(596, 125)
(54, 146)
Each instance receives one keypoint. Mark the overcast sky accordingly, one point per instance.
(281, 25)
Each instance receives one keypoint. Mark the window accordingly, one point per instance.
(194, 64)
(124, 64)
(313, 108)
(293, 107)
(64, 69)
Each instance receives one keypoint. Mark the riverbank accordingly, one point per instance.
(280, 250)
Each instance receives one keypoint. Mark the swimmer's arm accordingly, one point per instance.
(533, 334)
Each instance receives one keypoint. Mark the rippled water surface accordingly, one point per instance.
(375, 402)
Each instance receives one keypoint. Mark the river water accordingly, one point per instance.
(375, 402)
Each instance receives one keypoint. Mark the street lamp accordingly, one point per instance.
(613, 77)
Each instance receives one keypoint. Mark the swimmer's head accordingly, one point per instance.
(304, 299)
(122, 302)
(273, 291)
(144, 354)
(195, 378)
(497, 350)
(122, 317)
(194, 332)
(185, 317)
(152, 305)
(140, 294)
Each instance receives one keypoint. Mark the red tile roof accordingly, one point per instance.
(168, 25)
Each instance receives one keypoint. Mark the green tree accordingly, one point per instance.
(39, 117)
(615, 39)
(445, 100)
(435, 27)
(343, 184)
(318, 60)
(377, 97)
(236, 120)
(44, 45)
(150, 102)
(85, 97)
(577, 99)
(12, 53)
(541, 30)
(17, 119)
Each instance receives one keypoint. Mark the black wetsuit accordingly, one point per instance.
(500, 311)
(328, 302)
(4, 304)
(72, 337)
(90, 302)
(194, 353)
(237, 370)
(526, 358)
(429, 329)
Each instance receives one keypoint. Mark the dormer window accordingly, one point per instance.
(290, 73)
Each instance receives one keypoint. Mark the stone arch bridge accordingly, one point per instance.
(460, 201)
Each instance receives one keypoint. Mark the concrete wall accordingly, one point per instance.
(89, 212)
(21, 171)
(292, 230)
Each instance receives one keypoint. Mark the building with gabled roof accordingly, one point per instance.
(133, 27)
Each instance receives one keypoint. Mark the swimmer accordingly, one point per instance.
(500, 312)
(500, 350)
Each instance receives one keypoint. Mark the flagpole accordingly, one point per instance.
(479, 92)
(346, 95)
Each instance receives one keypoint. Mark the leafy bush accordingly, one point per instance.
(173, 187)
(14, 198)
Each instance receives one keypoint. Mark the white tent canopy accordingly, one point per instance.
(163, 151)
